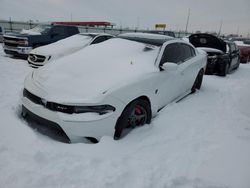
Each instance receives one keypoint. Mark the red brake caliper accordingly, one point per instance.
(138, 112)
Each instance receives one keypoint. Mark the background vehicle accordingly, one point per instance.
(113, 86)
(222, 56)
(22, 43)
(42, 55)
(244, 51)
(162, 32)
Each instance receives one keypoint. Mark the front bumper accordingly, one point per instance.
(214, 66)
(75, 126)
(17, 50)
(45, 126)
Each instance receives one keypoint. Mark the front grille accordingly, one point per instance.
(37, 58)
(49, 105)
(44, 126)
(34, 65)
(13, 42)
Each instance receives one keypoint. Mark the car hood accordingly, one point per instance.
(207, 41)
(63, 47)
(95, 70)
(211, 50)
(16, 35)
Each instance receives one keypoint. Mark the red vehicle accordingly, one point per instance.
(244, 50)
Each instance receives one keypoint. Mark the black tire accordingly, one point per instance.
(238, 64)
(248, 59)
(129, 118)
(198, 81)
(225, 70)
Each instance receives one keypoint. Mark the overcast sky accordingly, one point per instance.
(205, 15)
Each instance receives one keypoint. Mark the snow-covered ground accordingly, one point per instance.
(202, 141)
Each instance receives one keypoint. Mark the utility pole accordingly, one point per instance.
(10, 22)
(138, 23)
(221, 22)
(187, 21)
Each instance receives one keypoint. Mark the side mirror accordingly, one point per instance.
(169, 66)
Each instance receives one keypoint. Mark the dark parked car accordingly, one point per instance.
(222, 56)
(244, 46)
(22, 43)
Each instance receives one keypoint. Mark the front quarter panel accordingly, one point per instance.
(147, 86)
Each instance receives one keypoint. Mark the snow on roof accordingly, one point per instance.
(241, 43)
(154, 39)
(62, 46)
(91, 71)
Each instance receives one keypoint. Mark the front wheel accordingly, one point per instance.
(238, 64)
(248, 59)
(225, 70)
(136, 113)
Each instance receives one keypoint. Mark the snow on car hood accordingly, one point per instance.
(90, 72)
(30, 32)
(213, 50)
(63, 47)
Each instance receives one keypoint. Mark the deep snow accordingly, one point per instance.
(202, 141)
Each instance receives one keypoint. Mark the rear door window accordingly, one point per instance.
(186, 52)
(171, 54)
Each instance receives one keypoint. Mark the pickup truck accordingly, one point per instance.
(20, 44)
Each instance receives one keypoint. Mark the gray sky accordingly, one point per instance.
(206, 15)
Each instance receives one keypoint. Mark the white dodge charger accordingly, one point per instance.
(114, 86)
(44, 54)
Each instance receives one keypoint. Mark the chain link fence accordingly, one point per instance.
(16, 26)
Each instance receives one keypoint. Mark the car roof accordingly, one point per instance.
(148, 38)
(95, 34)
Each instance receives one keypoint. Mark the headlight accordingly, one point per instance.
(213, 58)
(100, 109)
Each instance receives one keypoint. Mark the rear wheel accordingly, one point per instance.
(248, 59)
(238, 63)
(198, 81)
(225, 70)
(136, 113)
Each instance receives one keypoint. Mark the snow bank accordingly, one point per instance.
(202, 141)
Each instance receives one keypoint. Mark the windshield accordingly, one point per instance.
(43, 29)
(89, 35)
